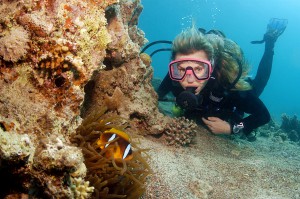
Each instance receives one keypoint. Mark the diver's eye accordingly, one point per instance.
(198, 69)
(181, 69)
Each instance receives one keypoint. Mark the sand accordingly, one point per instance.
(223, 167)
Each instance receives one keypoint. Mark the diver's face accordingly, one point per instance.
(190, 80)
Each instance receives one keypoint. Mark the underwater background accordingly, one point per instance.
(241, 21)
(71, 71)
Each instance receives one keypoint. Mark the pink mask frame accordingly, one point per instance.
(189, 70)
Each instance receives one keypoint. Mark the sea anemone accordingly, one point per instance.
(111, 179)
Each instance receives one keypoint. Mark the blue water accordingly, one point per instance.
(241, 21)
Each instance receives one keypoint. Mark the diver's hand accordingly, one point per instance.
(217, 126)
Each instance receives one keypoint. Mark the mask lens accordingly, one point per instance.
(178, 69)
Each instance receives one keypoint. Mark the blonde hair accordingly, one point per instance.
(190, 41)
(230, 58)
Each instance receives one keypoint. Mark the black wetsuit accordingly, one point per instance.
(234, 103)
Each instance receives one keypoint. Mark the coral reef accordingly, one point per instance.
(15, 148)
(292, 126)
(180, 132)
(59, 61)
(41, 171)
(288, 130)
(14, 44)
(54, 154)
(111, 179)
(125, 81)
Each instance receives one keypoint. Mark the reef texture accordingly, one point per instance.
(288, 130)
(59, 61)
(180, 132)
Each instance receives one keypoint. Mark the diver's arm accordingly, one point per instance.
(164, 87)
(252, 105)
(217, 125)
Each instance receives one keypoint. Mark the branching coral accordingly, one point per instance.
(180, 131)
(81, 188)
(14, 44)
(110, 178)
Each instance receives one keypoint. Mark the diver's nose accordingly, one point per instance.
(190, 76)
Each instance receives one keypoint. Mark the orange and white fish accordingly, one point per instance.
(117, 144)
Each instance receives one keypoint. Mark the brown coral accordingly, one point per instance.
(60, 65)
(37, 23)
(14, 44)
(46, 167)
(54, 154)
(116, 100)
(180, 132)
(146, 59)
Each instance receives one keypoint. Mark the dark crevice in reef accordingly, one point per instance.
(9, 183)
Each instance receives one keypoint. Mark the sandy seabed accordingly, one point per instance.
(218, 167)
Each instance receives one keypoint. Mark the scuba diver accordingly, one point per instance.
(208, 77)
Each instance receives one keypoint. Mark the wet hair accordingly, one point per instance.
(190, 41)
(229, 58)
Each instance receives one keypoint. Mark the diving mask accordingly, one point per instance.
(180, 68)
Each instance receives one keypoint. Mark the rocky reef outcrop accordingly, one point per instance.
(288, 130)
(60, 60)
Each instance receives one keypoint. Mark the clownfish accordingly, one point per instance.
(117, 144)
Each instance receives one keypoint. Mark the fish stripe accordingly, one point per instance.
(127, 150)
(110, 139)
